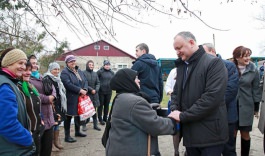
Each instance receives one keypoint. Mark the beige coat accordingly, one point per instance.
(262, 110)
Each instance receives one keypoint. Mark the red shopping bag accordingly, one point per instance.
(85, 107)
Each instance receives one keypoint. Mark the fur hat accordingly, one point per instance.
(53, 65)
(12, 57)
(70, 58)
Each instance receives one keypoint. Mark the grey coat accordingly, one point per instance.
(132, 120)
(248, 93)
(262, 110)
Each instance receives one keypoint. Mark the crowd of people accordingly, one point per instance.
(207, 94)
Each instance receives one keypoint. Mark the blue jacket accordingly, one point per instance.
(73, 85)
(150, 76)
(231, 91)
(15, 138)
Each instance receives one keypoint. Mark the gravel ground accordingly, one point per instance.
(91, 145)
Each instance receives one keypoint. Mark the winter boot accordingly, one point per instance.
(54, 149)
(245, 147)
(77, 132)
(68, 138)
(95, 123)
(57, 141)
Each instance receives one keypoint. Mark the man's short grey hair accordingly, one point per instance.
(210, 46)
(143, 46)
(186, 35)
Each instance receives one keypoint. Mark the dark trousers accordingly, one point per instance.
(230, 149)
(104, 100)
(36, 137)
(46, 142)
(67, 125)
(95, 118)
(205, 151)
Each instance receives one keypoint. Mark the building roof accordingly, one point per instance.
(88, 50)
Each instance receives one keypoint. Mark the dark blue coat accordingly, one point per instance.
(150, 76)
(231, 91)
(73, 85)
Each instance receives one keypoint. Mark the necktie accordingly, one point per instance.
(185, 75)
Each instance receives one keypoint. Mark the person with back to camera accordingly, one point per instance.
(248, 96)
(15, 135)
(75, 84)
(149, 73)
(104, 75)
(230, 99)
(133, 119)
(198, 98)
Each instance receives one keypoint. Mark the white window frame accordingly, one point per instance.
(97, 47)
(106, 47)
(123, 65)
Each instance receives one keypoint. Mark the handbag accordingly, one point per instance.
(105, 135)
(85, 107)
(47, 85)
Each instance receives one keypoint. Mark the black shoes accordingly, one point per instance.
(97, 128)
(79, 134)
(102, 122)
(69, 139)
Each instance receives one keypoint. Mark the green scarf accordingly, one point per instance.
(25, 89)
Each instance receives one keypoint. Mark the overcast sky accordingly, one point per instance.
(237, 17)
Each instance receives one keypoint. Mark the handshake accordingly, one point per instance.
(175, 115)
(164, 112)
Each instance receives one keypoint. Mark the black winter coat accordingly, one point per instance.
(93, 84)
(201, 100)
(73, 85)
(104, 78)
(150, 76)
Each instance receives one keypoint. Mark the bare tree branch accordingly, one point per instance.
(200, 18)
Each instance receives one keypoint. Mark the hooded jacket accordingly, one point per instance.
(150, 76)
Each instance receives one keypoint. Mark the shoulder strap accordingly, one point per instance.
(113, 102)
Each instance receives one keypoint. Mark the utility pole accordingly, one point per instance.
(213, 40)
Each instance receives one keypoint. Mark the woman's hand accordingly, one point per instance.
(83, 92)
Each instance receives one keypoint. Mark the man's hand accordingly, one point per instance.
(93, 91)
(175, 115)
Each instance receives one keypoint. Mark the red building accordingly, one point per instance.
(98, 52)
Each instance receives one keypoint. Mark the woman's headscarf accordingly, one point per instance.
(124, 81)
(62, 90)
